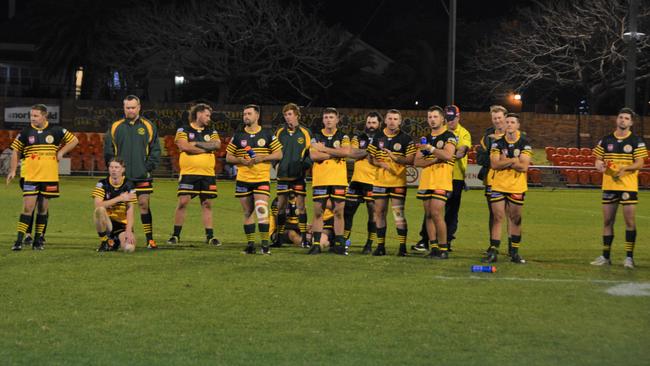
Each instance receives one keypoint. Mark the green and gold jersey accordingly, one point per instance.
(509, 180)
(330, 172)
(262, 142)
(105, 191)
(196, 164)
(39, 146)
(399, 144)
(295, 147)
(438, 176)
(618, 152)
(364, 172)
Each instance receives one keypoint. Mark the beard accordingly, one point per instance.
(370, 131)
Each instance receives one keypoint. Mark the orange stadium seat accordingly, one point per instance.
(535, 176)
(562, 150)
(550, 150)
(574, 151)
(644, 179)
(81, 136)
(596, 177)
(76, 163)
(564, 163)
(571, 176)
(575, 163)
(585, 151)
(556, 159)
(584, 177)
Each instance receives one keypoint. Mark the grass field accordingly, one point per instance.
(195, 304)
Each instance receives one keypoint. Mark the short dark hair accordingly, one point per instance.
(629, 111)
(435, 108)
(514, 115)
(132, 97)
(394, 111)
(291, 107)
(115, 159)
(198, 108)
(375, 114)
(40, 107)
(331, 110)
(254, 106)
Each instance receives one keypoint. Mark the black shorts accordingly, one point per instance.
(622, 197)
(114, 235)
(359, 192)
(433, 194)
(328, 224)
(244, 189)
(143, 186)
(193, 185)
(379, 192)
(488, 191)
(297, 186)
(514, 198)
(323, 193)
(44, 189)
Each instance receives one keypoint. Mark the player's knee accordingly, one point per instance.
(398, 214)
(262, 210)
(207, 204)
(100, 212)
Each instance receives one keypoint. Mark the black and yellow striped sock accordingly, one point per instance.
(264, 234)
(103, 236)
(381, 236)
(372, 232)
(433, 244)
(147, 225)
(282, 220)
(401, 236)
(31, 223)
(249, 230)
(316, 237)
(23, 224)
(516, 242)
(41, 223)
(495, 243)
(630, 240)
(607, 245)
(302, 225)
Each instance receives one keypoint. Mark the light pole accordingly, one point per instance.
(631, 37)
(451, 53)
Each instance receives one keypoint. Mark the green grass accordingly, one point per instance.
(194, 304)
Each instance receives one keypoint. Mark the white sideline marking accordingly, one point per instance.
(524, 279)
(630, 289)
(594, 213)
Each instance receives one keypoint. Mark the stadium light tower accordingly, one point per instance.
(631, 38)
(451, 52)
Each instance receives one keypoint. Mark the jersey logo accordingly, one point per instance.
(206, 137)
(49, 139)
(381, 144)
(31, 139)
(397, 146)
(516, 152)
(337, 143)
(610, 147)
(243, 143)
(301, 140)
(440, 144)
(362, 143)
(141, 131)
(625, 196)
(191, 135)
(261, 142)
(627, 148)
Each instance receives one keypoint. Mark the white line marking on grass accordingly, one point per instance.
(630, 289)
(594, 213)
(524, 279)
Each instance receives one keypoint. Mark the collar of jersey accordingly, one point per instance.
(259, 128)
(505, 136)
(41, 129)
(624, 137)
(132, 121)
(325, 133)
(387, 135)
(444, 129)
(197, 129)
(116, 186)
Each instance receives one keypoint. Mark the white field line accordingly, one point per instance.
(491, 277)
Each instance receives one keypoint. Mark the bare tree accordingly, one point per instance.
(246, 47)
(560, 44)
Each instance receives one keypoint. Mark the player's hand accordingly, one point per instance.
(129, 238)
(127, 197)
(245, 161)
(621, 172)
(390, 154)
(59, 156)
(318, 146)
(600, 166)
(10, 177)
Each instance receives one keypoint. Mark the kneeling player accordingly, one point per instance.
(114, 201)
(509, 158)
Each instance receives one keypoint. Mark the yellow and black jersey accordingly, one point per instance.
(364, 172)
(618, 152)
(399, 144)
(330, 172)
(39, 146)
(262, 142)
(509, 180)
(196, 164)
(438, 176)
(105, 191)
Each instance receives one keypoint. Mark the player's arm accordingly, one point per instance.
(274, 156)
(357, 154)
(188, 147)
(13, 165)
(463, 146)
(522, 163)
(154, 151)
(483, 152)
(499, 161)
(67, 147)
(629, 169)
(128, 232)
(341, 152)
(446, 153)
(421, 162)
(212, 145)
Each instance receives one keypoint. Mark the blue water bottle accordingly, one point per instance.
(488, 269)
(423, 141)
(347, 247)
(250, 152)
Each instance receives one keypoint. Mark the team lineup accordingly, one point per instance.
(381, 155)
